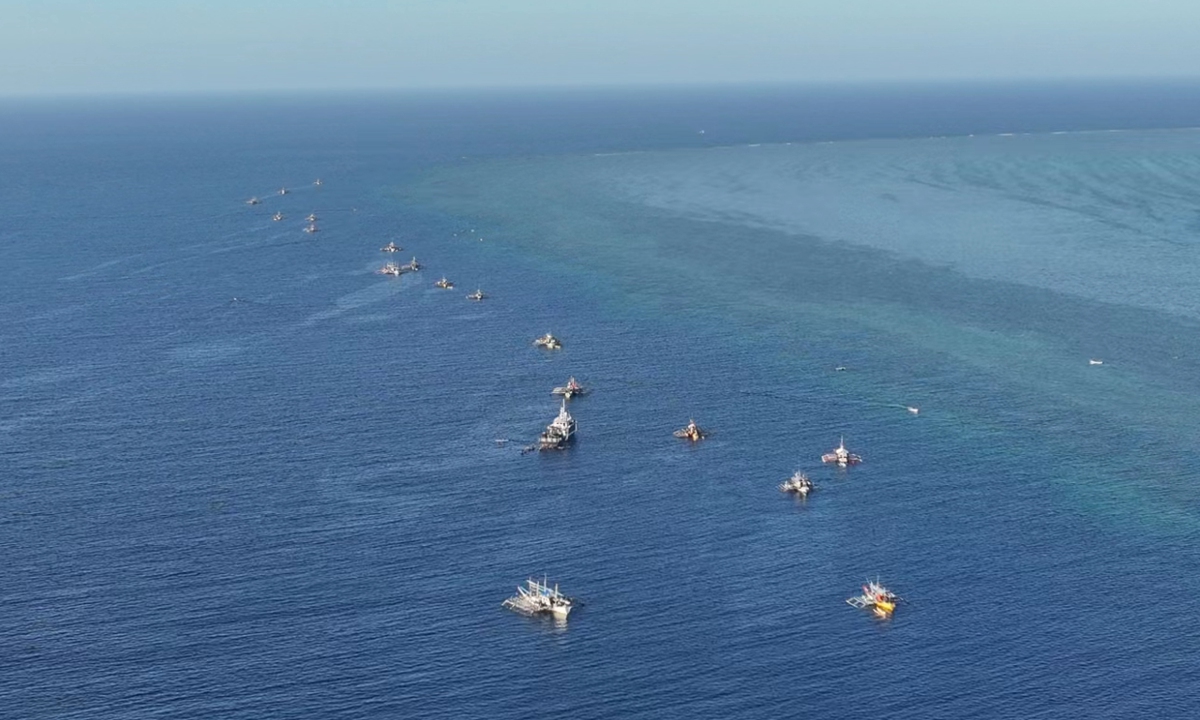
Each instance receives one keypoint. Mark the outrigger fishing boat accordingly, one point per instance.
(798, 483)
(312, 217)
(413, 266)
(283, 191)
(444, 284)
(571, 389)
(254, 201)
(558, 433)
(318, 182)
(841, 456)
(549, 342)
(391, 247)
(537, 598)
(877, 599)
(277, 216)
(691, 432)
(310, 228)
(390, 269)
(477, 295)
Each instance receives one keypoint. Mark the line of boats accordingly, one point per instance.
(540, 597)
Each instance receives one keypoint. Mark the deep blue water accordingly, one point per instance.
(243, 476)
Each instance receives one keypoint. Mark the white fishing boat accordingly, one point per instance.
(538, 598)
(390, 248)
(254, 201)
(312, 217)
(1095, 362)
(571, 389)
(559, 432)
(691, 431)
(912, 409)
(840, 456)
(318, 182)
(277, 216)
(549, 342)
(390, 269)
(283, 191)
(476, 296)
(444, 284)
(798, 483)
(310, 228)
(413, 265)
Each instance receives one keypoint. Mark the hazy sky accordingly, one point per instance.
(69, 46)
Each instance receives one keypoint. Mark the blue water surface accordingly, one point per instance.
(245, 476)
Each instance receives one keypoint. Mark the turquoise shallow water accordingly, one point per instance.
(248, 477)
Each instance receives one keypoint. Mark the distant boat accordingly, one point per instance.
(254, 201)
(310, 228)
(840, 368)
(536, 598)
(691, 431)
(798, 483)
(1095, 362)
(277, 216)
(571, 389)
(913, 410)
(477, 295)
(312, 217)
(390, 269)
(559, 432)
(876, 598)
(549, 342)
(318, 182)
(391, 247)
(283, 191)
(444, 284)
(841, 456)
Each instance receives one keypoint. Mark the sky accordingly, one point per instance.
(51, 47)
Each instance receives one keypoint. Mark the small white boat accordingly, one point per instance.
(549, 342)
(1095, 362)
(913, 410)
(390, 269)
(312, 217)
(798, 483)
(318, 182)
(444, 284)
(277, 216)
(691, 431)
(283, 191)
(254, 201)
(391, 247)
(477, 295)
(536, 598)
(571, 389)
(310, 228)
(840, 456)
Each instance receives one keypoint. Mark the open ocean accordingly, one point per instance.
(244, 476)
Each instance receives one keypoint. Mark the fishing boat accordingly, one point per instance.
(312, 217)
(391, 247)
(558, 433)
(318, 182)
(283, 191)
(413, 265)
(477, 295)
(571, 389)
(841, 456)
(310, 228)
(390, 269)
(277, 216)
(692, 432)
(444, 284)
(798, 483)
(913, 409)
(876, 598)
(549, 342)
(538, 598)
(1095, 362)
(254, 201)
